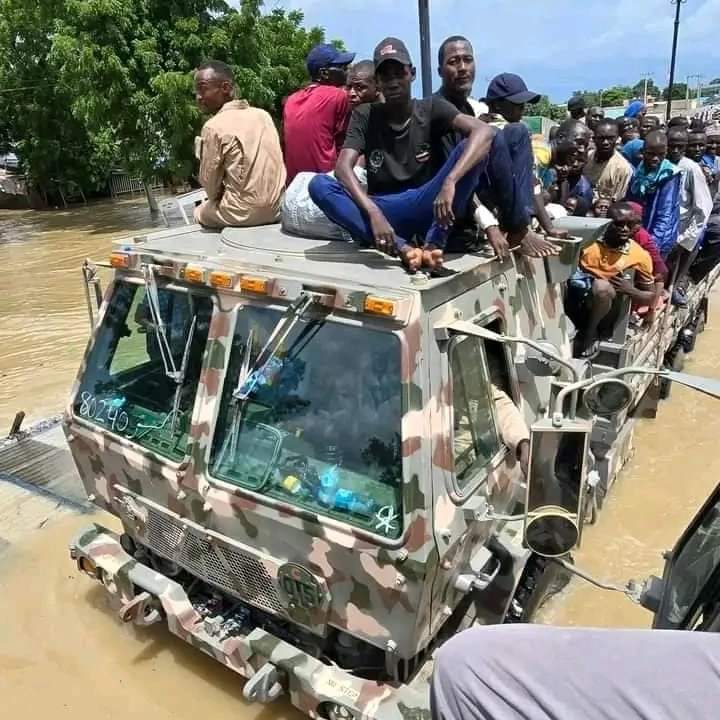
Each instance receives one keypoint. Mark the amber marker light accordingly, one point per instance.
(379, 306)
(120, 260)
(254, 284)
(222, 279)
(194, 274)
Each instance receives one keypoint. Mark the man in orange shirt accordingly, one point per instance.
(601, 277)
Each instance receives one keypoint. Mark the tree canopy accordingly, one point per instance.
(88, 84)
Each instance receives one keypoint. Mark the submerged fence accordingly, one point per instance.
(121, 183)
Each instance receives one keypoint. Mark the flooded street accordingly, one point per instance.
(43, 316)
(64, 654)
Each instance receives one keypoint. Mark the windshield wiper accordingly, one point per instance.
(248, 380)
(171, 370)
(151, 292)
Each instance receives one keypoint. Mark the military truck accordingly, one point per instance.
(302, 444)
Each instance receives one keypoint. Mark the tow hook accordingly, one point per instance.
(139, 610)
(264, 686)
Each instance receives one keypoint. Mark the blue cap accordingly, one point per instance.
(508, 86)
(322, 56)
(634, 109)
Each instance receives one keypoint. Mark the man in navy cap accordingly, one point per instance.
(500, 208)
(315, 117)
(507, 95)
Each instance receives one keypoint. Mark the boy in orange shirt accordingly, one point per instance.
(601, 277)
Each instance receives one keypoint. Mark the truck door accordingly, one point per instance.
(691, 581)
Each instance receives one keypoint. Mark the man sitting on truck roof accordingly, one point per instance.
(600, 278)
(362, 86)
(500, 206)
(241, 163)
(412, 196)
(315, 117)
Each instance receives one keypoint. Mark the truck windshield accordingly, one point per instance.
(317, 424)
(125, 387)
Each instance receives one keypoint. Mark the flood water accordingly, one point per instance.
(62, 652)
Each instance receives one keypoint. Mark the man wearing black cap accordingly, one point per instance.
(506, 96)
(413, 194)
(315, 117)
(576, 108)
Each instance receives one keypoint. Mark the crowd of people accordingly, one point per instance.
(358, 158)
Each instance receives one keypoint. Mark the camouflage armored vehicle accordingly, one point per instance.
(301, 443)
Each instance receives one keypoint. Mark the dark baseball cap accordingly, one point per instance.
(322, 56)
(576, 102)
(511, 87)
(391, 49)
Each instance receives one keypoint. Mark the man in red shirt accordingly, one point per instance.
(315, 117)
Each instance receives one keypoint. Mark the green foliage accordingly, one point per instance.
(109, 82)
(609, 97)
(638, 89)
(679, 91)
(547, 109)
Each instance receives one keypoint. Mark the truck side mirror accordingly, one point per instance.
(555, 486)
(607, 397)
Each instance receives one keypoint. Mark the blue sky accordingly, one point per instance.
(557, 46)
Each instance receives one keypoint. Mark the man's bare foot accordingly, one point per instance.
(432, 258)
(534, 245)
(412, 258)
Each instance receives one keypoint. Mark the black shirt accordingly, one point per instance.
(397, 159)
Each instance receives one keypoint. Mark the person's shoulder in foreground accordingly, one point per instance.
(539, 672)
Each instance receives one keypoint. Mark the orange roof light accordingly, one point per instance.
(254, 284)
(194, 274)
(222, 279)
(379, 306)
(120, 260)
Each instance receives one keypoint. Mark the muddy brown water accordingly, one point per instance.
(63, 652)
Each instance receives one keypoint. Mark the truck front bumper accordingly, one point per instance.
(271, 665)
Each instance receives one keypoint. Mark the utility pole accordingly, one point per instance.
(699, 87)
(646, 76)
(697, 78)
(425, 67)
(673, 56)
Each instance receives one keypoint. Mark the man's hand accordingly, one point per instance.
(622, 285)
(442, 207)
(382, 231)
(498, 241)
(523, 455)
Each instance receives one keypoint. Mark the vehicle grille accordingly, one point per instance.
(220, 564)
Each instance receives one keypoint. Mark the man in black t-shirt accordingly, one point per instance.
(408, 199)
(500, 189)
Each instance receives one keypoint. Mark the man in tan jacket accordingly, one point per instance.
(241, 163)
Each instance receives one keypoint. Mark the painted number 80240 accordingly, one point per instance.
(103, 411)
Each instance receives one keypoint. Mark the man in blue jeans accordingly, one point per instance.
(413, 193)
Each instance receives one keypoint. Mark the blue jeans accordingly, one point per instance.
(410, 212)
(519, 144)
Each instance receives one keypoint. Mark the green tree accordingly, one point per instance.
(616, 95)
(679, 91)
(112, 79)
(638, 89)
(34, 103)
(547, 109)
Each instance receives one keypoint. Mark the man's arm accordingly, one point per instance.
(703, 199)
(212, 166)
(382, 230)
(511, 425)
